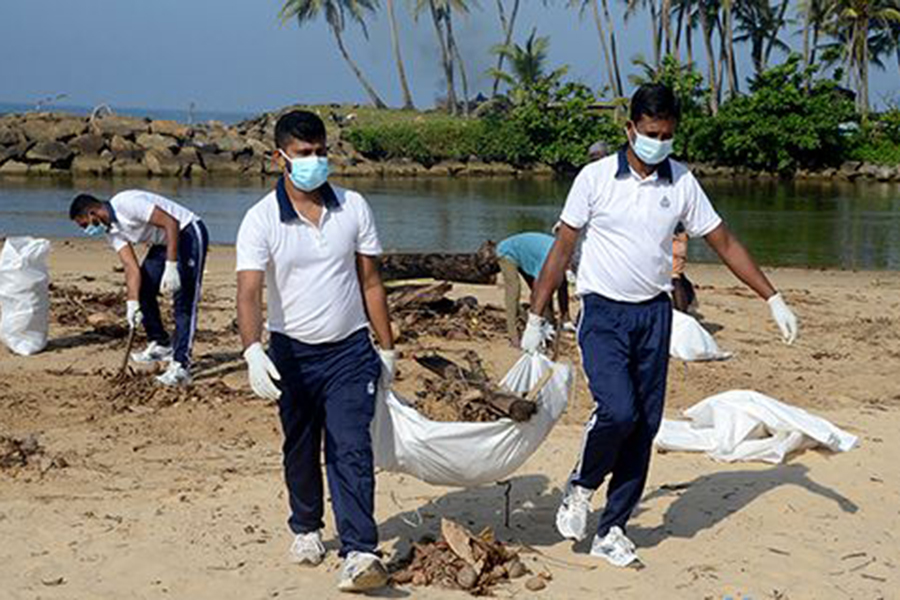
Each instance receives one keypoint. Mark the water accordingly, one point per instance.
(172, 114)
(850, 226)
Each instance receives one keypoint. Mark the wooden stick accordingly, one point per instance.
(539, 386)
(124, 367)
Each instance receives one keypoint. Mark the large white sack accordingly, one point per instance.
(469, 454)
(690, 341)
(746, 425)
(24, 294)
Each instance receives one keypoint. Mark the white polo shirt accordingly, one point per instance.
(628, 225)
(311, 277)
(130, 218)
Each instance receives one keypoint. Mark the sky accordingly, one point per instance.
(235, 55)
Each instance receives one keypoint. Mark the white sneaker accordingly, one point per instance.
(176, 374)
(308, 549)
(362, 572)
(572, 515)
(154, 352)
(617, 549)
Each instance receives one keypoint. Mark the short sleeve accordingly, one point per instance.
(136, 207)
(700, 218)
(577, 210)
(252, 247)
(367, 236)
(116, 241)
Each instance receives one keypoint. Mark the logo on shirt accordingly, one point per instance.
(665, 202)
(371, 388)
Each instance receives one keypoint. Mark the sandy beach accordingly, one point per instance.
(185, 500)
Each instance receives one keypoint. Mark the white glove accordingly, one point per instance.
(261, 372)
(784, 318)
(388, 368)
(569, 327)
(535, 333)
(133, 313)
(171, 280)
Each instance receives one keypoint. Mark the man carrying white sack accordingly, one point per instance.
(316, 247)
(629, 205)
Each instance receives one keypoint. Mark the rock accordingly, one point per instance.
(221, 163)
(448, 168)
(120, 144)
(129, 164)
(10, 136)
(868, 170)
(536, 584)
(260, 148)
(884, 173)
(46, 169)
(155, 141)
(13, 152)
(231, 143)
(270, 167)
(49, 152)
(896, 175)
(516, 568)
(116, 125)
(163, 163)
(403, 169)
(466, 577)
(849, 170)
(87, 144)
(13, 167)
(188, 157)
(170, 128)
(68, 128)
(91, 164)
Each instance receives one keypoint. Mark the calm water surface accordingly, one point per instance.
(852, 226)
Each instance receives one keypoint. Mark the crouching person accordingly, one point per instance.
(174, 264)
(316, 247)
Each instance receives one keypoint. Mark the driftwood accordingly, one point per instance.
(481, 390)
(480, 267)
(409, 296)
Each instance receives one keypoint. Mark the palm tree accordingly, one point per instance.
(759, 23)
(336, 14)
(607, 41)
(631, 10)
(861, 28)
(727, 36)
(707, 11)
(527, 63)
(441, 17)
(508, 26)
(401, 70)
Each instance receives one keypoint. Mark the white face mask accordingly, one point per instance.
(651, 151)
(308, 173)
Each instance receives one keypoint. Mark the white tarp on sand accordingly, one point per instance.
(743, 425)
(690, 341)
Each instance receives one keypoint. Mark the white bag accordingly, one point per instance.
(747, 425)
(469, 454)
(690, 341)
(24, 294)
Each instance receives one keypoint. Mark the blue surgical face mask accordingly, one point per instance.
(308, 173)
(95, 230)
(651, 151)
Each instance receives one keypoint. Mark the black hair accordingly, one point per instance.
(654, 100)
(82, 205)
(679, 229)
(300, 125)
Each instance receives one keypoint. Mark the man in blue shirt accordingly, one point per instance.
(524, 254)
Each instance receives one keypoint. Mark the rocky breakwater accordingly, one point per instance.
(113, 145)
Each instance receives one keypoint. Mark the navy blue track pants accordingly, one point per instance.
(193, 244)
(625, 349)
(331, 389)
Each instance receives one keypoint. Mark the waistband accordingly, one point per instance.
(360, 336)
(594, 298)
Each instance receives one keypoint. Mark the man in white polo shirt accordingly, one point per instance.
(178, 242)
(316, 247)
(628, 205)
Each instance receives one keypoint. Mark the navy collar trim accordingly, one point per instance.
(663, 171)
(286, 211)
(112, 212)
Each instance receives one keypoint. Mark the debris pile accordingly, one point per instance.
(467, 394)
(461, 561)
(103, 311)
(16, 452)
(137, 390)
(425, 310)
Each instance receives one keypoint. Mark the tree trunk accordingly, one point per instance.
(454, 49)
(679, 30)
(667, 24)
(605, 49)
(446, 61)
(508, 28)
(401, 70)
(376, 99)
(864, 69)
(480, 267)
(729, 47)
(712, 77)
(689, 37)
(779, 22)
(657, 34)
(612, 46)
